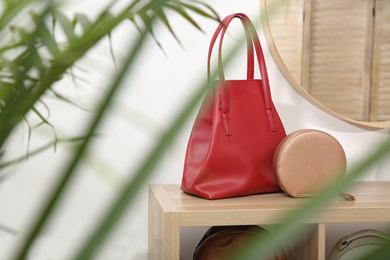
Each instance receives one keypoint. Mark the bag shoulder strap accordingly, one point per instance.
(250, 53)
(253, 40)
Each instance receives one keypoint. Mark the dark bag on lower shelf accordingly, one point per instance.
(355, 245)
(220, 241)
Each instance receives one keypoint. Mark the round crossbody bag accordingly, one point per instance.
(306, 160)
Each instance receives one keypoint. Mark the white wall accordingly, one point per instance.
(153, 94)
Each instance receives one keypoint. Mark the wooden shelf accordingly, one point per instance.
(170, 209)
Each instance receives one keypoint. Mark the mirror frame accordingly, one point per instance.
(290, 78)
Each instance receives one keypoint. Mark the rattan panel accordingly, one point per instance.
(286, 23)
(338, 56)
(384, 69)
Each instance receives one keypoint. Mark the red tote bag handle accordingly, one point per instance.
(250, 68)
(252, 40)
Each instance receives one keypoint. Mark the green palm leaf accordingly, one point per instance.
(29, 90)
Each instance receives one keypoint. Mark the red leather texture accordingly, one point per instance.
(236, 131)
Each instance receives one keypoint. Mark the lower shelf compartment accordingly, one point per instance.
(326, 236)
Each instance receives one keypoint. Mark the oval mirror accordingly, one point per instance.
(335, 53)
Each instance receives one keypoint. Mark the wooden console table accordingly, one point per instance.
(170, 209)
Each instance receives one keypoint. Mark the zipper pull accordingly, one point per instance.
(347, 196)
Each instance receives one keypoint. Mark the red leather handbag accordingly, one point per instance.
(236, 131)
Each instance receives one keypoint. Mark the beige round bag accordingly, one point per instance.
(307, 159)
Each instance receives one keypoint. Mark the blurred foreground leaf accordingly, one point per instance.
(40, 61)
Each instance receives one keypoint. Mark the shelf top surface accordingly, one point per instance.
(372, 204)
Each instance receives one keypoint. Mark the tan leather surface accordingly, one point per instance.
(307, 159)
(219, 243)
(224, 246)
